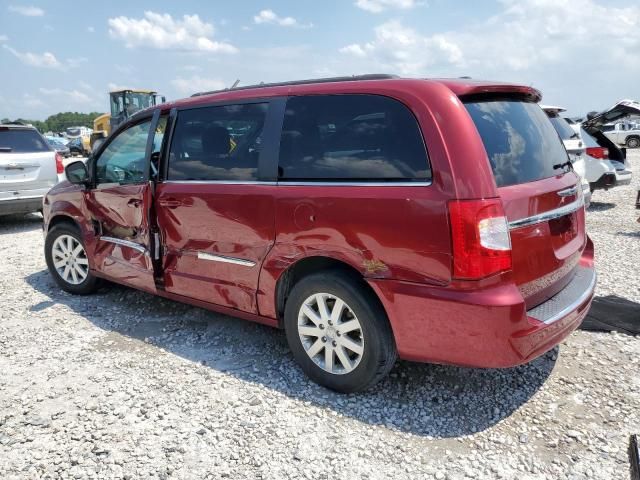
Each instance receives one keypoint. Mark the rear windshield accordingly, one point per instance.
(563, 128)
(521, 143)
(13, 140)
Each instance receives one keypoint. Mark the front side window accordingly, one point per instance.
(364, 138)
(217, 143)
(123, 160)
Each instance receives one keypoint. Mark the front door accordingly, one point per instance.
(215, 214)
(120, 204)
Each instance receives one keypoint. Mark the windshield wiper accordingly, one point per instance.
(567, 164)
(5, 149)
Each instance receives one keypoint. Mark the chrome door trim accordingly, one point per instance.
(125, 243)
(223, 259)
(550, 215)
(568, 192)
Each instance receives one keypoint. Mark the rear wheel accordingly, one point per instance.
(633, 142)
(67, 260)
(338, 332)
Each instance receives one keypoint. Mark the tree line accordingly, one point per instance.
(60, 121)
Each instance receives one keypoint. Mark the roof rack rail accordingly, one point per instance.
(353, 78)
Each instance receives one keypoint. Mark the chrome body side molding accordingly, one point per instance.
(224, 259)
(125, 243)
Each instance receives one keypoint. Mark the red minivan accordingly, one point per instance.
(371, 217)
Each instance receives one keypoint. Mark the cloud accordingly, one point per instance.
(3, 38)
(27, 11)
(91, 29)
(196, 83)
(270, 17)
(403, 49)
(377, 6)
(73, 96)
(32, 101)
(162, 31)
(527, 35)
(42, 60)
(45, 60)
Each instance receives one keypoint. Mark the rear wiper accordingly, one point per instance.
(575, 135)
(567, 164)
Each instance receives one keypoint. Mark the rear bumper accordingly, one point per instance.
(12, 206)
(605, 182)
(483, 328)
(623, 177)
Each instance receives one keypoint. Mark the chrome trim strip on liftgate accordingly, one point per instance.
(223, 259)
(125, 243)
(550, 215)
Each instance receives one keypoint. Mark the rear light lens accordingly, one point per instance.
(480, 238)
(598, 152)
(59, 165)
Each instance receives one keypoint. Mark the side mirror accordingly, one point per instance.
(77, 173)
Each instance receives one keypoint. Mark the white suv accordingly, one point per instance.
(29, 167)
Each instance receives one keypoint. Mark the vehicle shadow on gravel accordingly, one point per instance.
(12, 224)
(601, 206)
(428, 400)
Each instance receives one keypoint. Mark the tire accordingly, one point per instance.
(633, 142)
(370, 334)
(61, 248)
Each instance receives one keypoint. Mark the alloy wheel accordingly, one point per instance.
(70, 259)
(330, 333)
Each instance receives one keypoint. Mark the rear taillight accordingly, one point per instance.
(480, 238)
(598, 152)
(59, 165)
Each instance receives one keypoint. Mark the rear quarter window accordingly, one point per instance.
(17, 140)
(342, 138)
(521, 143)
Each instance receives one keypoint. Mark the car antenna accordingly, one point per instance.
(235, 84)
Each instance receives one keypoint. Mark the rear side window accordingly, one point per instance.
(521, 143)
(217, 143)
(19, 140)
(364, 138)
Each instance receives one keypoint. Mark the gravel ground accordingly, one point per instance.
(125, 385)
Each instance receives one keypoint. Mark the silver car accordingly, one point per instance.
(29, 167)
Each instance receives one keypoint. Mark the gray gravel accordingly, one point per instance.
(125, 385)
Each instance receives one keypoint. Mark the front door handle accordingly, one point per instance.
(170, 203)
(134, 202)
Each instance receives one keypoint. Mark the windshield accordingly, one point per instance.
(521, 144)
(131, 101)
(563, 128)
(14, 140)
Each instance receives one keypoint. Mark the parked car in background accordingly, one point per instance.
(29, 167)
(59, 145)
(574, 146)
(608, 149)
(621, 133)
(76, 147)
(607, 157)
(573, 123)
(346, 211)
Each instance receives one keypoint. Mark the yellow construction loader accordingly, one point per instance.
(124, 103)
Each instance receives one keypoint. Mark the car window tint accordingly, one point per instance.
(351, 137)
(521, 143)
(217, 143)
(123, 160)
(22, 140)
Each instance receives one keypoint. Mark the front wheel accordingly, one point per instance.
(67, 260)
(338, 332)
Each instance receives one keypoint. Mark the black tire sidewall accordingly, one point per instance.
(633, 139)
(379, 345)
(89, 283)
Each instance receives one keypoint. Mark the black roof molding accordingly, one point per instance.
(353, 78)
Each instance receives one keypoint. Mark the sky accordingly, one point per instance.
(60, 56)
